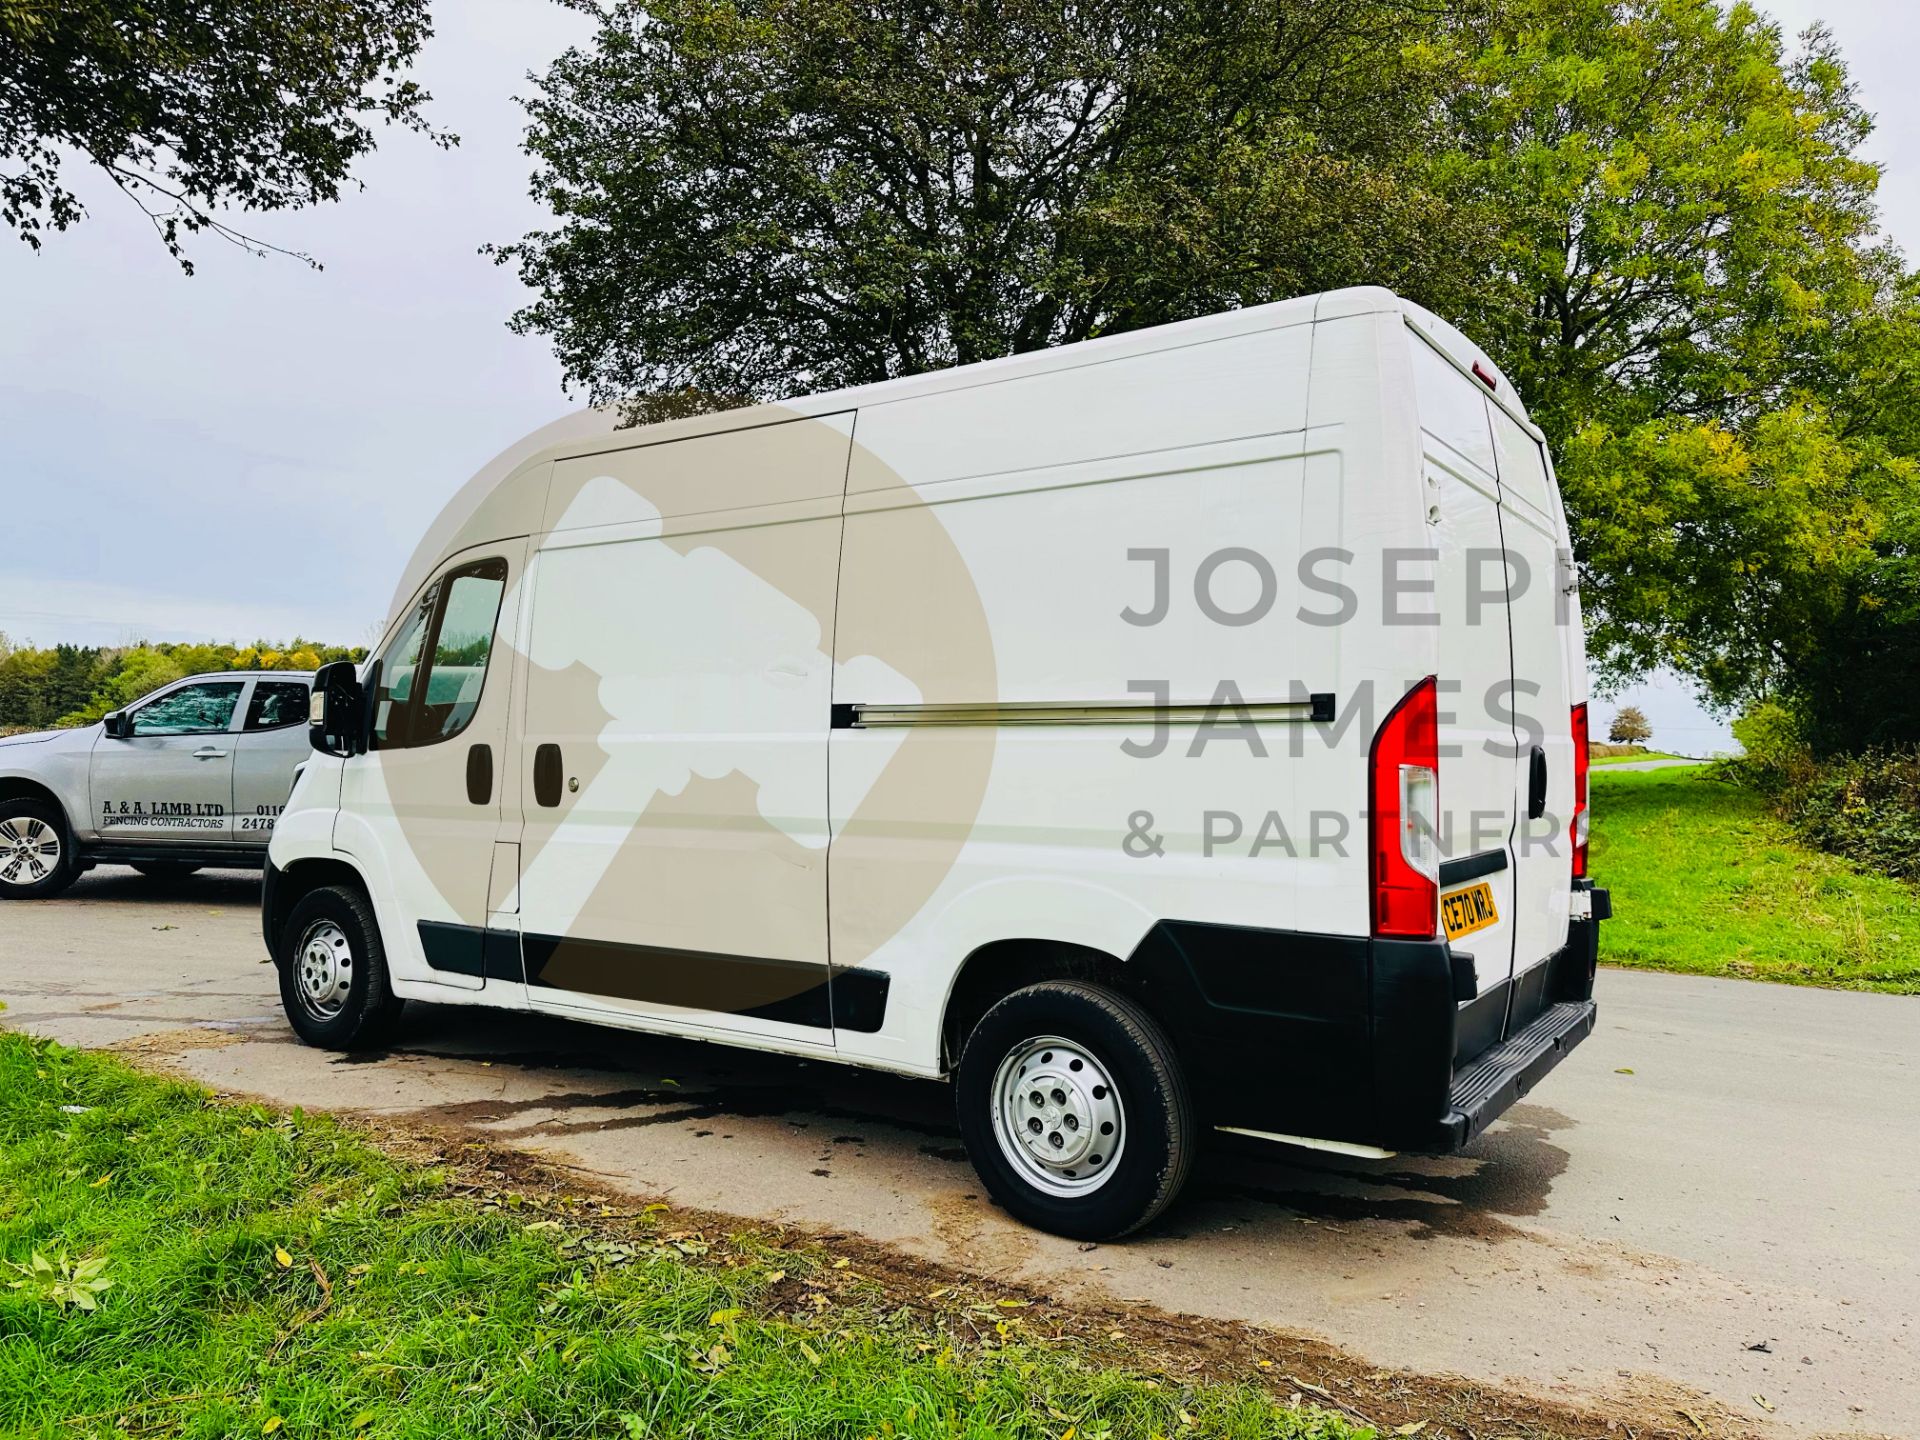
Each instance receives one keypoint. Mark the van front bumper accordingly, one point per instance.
(269, 882)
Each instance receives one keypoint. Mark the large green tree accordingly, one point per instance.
(192, 108)
(1654, 213)
(755, 197)
(1692, 298)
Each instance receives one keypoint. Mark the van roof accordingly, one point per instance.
(595, 430)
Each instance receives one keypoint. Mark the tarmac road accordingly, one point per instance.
(1715, 1196)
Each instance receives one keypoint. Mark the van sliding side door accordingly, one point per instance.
(673, 858)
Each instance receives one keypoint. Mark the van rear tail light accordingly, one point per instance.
(1580, 819)
(1403, 835)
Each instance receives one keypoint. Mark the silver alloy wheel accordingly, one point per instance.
(29, 850)
(1058, 1115)
(325, 966)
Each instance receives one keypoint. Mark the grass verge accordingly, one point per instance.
(1704, 879)
(274, 1275)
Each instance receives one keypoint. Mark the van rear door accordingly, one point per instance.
(1475, 676)
(1542, 619)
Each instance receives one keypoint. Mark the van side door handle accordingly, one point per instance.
(208, 752)
(480, 773)
(546, 774)
(1537, 784)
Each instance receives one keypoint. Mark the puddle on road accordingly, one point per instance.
(1507, 1173)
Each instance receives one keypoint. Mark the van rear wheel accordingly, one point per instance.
(1074, 1110)
(333, 972)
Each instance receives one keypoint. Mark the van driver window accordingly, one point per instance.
(461, 645)
(432, 673)
(204, 709)
(398, 662)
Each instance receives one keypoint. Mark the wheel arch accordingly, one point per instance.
(287, 888)
(996, 969)
(20, 787)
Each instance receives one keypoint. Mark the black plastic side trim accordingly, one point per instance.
(789, 991)
(225, 857)
(860, 1000)
(1271, 1025)
(500, 955)
(1472, 867)
(455, 949)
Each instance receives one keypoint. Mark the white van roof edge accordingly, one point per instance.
(1463, 355)
(594, 430)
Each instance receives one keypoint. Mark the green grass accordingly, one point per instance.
(1629, 759)
(273, 1275)
(1705, 880)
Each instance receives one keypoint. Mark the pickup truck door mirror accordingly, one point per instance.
(119, 724)
(339, 716)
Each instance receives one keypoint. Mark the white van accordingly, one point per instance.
(1174, 732)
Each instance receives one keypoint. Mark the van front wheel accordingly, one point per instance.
(333, 972)
(1074, 1110)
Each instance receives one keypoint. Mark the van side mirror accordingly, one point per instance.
(339, 713)
(119, 724)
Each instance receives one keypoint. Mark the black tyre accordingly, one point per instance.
(1074, 1110)
(164, 870)
(38, 858)
(333, 972)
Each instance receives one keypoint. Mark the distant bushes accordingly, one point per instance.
(1865, 807)
(47, 687)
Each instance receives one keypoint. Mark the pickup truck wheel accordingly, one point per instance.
(333, 972)
(1074, 1110)
(164, 869)
(37, 855)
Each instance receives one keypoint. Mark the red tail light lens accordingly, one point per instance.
(1580, 822)
(1403, 835)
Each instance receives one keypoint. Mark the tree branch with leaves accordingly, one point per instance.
(193, 110)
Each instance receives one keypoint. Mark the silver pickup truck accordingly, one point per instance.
(194, 774)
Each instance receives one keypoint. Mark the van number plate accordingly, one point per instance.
(1466, 911)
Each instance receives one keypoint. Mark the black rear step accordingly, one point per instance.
(1484, 1089)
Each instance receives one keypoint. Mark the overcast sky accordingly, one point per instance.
(254, 451)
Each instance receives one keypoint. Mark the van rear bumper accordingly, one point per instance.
(1359, 1039)
(1484, 1089)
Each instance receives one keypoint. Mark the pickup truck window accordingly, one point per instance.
(276, 703)
(202, 709)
